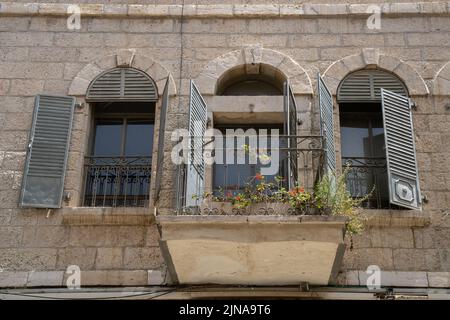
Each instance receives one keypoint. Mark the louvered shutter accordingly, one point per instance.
(400, 151)
(195, 172)
(122, 84)
(290, 128)
(365, 86)
(162, 127)
(45, 165)
(327, 123)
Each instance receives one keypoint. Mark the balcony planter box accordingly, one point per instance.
(252, 250)
(227, 208)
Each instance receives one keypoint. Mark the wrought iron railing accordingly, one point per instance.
(306, 154)
(117, 181)
(368, 176)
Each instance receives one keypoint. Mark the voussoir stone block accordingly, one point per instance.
(125, 57)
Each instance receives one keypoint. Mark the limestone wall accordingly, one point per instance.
(39, 54)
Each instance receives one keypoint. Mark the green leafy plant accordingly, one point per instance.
(332, 196)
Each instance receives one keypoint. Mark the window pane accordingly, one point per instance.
(233, 177)
(139, 138)
(108, 138)
(355, 138)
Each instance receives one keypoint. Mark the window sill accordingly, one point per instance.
(396, 218)
(107, 216)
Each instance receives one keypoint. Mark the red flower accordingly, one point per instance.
(259, 176)
(238, 198)
(301, 190)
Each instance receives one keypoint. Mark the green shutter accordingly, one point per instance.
(290, 128)
(195, 172)
(365, 86)
(162, 128)
(403, 178)
(45, 165)
(327, 123)
(122, 84)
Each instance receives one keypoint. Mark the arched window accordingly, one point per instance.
(251, 81)
(362, 133)
(118, 167)
(263, 80)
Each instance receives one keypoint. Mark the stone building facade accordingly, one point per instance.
(203, 41)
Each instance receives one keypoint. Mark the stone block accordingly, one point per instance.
(113, 278)
(28, 259)
(416, 259)
(22, 39)
(391, 237)
(359, 40)
(363, 257)
(11, 279)
(156, 277)
(109, 258)
(10, 237)
(143, 258)
(26, 88)
(82, 257)
(371, 56)
(398, 279)
(45, 279)
(104, 236)
(439, 279)
(124, 58)
(315, 40)
(45, 237)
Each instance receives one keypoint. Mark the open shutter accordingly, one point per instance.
(195, 173)
(162, 128)
(45, 165)
(327, 123)
(290, 129)
(400, 151)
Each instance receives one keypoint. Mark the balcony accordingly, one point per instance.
(368, 176)
(207, 243)
(117, 181)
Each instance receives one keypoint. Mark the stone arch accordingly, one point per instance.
(252, 57)
(371, 58)
(441, 83)
(123, 58)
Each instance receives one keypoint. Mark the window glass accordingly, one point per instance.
(139, 138)
(233, 177)
(355, 138)
(108, 136)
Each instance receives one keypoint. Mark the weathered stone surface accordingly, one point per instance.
(10, 237)
(11, 279)
(113, 278)
(82, 257)
(102, 236)
(109, 258)
(45, 237)
(156, 277)
(143, 258)
(439, 279)
(45, 279)
(399, 279)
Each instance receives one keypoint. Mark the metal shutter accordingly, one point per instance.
(162, 128)
(45, 165)
(290, 128)
(327, 123)
(196, 164)
(122, 84)
(365, 85)
(403, 179)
